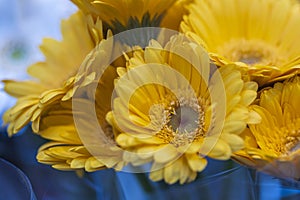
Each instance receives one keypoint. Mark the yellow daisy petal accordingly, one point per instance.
(55, 76)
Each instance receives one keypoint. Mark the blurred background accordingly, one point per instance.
(23, 24)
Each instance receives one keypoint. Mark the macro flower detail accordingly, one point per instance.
(55, 77)
(169, 88)
(260, 36)
(170, 112)
(273, 145)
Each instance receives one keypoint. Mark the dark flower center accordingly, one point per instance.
(184, 120)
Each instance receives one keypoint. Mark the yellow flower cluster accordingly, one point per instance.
(226, 86)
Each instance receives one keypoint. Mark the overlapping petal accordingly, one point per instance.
(124, 15)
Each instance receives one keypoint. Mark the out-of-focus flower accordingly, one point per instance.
(261, 36)
(273, 145)
(175, 126)
(122, 15)
(55, 76)
(66, 150)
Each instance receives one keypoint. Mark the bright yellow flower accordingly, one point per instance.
(70, 140)
(121, 15)
(171, 115)
(55, 77)
(259, 35)
(273, 145)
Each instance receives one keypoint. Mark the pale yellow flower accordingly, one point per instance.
(259, 35)
(273, 145)
(55, 77)
(172, 126)
(122, 15)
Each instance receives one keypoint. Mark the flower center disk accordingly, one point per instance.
(251, 52)
(185, 122)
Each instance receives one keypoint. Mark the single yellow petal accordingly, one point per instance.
(195, 162)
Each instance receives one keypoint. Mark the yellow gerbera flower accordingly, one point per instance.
(123, 15)
(70, 145)
(261, 36)
(55, 77)
(170, 111)
(273, 145)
